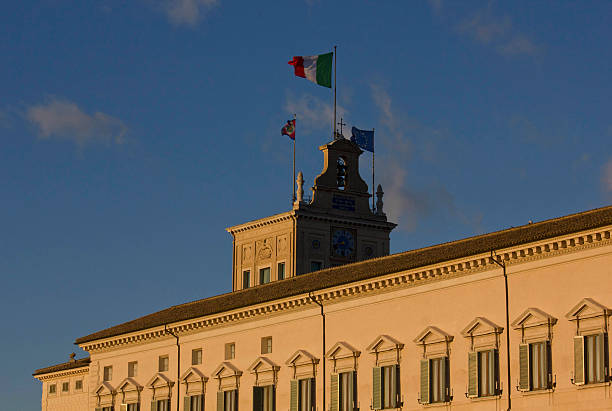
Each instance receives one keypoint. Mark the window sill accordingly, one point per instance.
(487, 398)
(436, 404)
(538, 392)
(593, 385)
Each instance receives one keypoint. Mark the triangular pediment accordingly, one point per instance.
(432, 335)
(533, 317)
(193, 375)
(481, 326)
(129, 384)
(159, 380)
(384, 343)
(104, 388)
(342, 350)
(226, 369)
(587, 308)
(301, 357)
(262, 364)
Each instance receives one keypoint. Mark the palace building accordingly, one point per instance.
(322, 318)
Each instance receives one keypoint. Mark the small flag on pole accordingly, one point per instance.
(363, 138)
(317, 69)
(289, 129)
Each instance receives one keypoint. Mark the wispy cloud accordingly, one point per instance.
(405, 203)
(312, 112)
(62, 119)
(606, 176)
(186, 12)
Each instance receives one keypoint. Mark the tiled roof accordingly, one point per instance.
(336, 276)
(81, 362)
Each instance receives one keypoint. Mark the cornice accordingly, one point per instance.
(412, 278)
(261, 222)
(62, 374)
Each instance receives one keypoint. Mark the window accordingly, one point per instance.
(227, 400)
(230, 351)
(132, 369)
(316, 265)
(78, 385)
(280, 272)
(389, 386)
(263, 398)
(341, 173)
(65, 386)
(196, 356)
(344, 391)
(535, 366)
(305, 397)
(438, 376)
(266, 345)
(264, 275)
(194, 403)
(246, 279)
(132, 407)
(595, 358)
(163, 363)
(52, 388)
(107, 408)
(108, 373)
(483, 370)
(160, 405)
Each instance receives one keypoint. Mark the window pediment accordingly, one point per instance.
(384, 343)
(193, 375)
(432, 335)
(262, 364)
(588, 308)
(159, 380)
(302, 357)
(481, 326)
(533, 317)
(226, 369)
(129, 384)
(342, 350)
(104, 388)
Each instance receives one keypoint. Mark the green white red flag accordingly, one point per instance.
(317, 69)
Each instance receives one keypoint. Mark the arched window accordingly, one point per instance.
(341, 173)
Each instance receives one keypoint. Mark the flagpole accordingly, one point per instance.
(293, 181)
(373, 189)
(334, 124)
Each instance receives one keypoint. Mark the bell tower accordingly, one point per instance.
(335, 226)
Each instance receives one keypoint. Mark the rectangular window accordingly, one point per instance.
(246, 279)
(160, 405)
(132, 369)
(264, 275)
(196, 356)
(108, 373)
(263, 398)
(389, 386)
(132, 407)
(65, 386)
(78, 385)
(438, 379)
(194, 403)
(280, 272)
(52, 388)
(109, 409)
(538, 366)
(230, 351)
(227, 400)
(164, 362)
(347, 390)
(316, 266)
(306, 390)
(266, 345)
(595, 358)
(487, 374)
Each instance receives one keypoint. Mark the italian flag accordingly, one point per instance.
(317, 69)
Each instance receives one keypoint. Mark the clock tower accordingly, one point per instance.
(335, 226)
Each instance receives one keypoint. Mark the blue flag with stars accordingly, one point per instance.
(363, 138)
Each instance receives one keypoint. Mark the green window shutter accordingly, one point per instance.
(524, 367)
(220, 400)
(547, 364)
(293, 401)
(334, 401)
(353, 390)
(472, 374)
(377, 388)
(424, 381)
(496, 384)
(153, 405)
(187, 404)
(398, 386)
(444, 377)
(578, 360)
(258, 399)
(313, 394)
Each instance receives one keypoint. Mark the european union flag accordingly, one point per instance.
(363, 138)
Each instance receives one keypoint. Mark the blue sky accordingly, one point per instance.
(132, 133)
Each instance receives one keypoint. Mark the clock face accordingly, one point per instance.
(343, 243)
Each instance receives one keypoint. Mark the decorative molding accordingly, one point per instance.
(62, 374)
(588, 308)
(385, 283)
(481, 326)
(533, 317)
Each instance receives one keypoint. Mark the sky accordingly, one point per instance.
(133, 133)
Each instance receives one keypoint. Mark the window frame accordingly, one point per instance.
(107, 373)
(163, 363)
(76, 385)
(278, 271)
(266, 345)
(321, 266)
(65, 386)
(246, 279)
(52, 389)
(197, 356)
(132, 369)
(602, 364)
(230, 351)
(443, 386)
(261, 275)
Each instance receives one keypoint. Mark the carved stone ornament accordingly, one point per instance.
(247, 253)
(264, 249)
(282, 245)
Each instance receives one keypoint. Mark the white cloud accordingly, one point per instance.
(187, 12)
(62, 119)
(606, 176)
(519, 44)
(313, 114)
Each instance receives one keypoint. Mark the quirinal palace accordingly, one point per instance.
(322, 318)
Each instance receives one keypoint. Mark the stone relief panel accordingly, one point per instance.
(264, 249)
(247, 253)
(282, 245)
